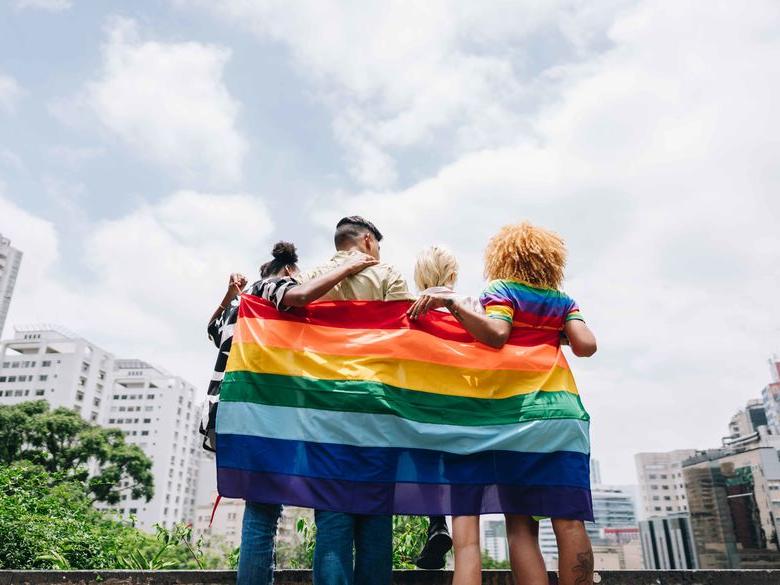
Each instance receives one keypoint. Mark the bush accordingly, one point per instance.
(47, 522)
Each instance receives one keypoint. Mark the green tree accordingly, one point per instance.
(62, 442)
(48, 522)
(489, 562)
(409, 536)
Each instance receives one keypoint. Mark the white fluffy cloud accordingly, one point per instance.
(155, 275)
(169, 102)
(47, 5)
(657, 161)
(10, 92)
(413, 74)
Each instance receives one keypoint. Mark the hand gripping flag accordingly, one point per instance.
(349, 406)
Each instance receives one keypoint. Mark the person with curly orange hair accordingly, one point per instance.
(524, 306)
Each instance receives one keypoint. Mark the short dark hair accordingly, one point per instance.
(352, 227)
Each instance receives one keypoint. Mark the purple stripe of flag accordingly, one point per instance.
(405, 498)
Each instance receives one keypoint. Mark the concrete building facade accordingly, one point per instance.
(158, 412)
(10, 262)
(667, 543)
(48, 362)
(155, 410)
(734, 503)
(661, 485)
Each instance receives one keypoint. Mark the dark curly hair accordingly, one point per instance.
(284, 254)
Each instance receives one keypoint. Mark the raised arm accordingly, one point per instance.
(581, 338)
(492, 332)
(236, 284)
(302, 295)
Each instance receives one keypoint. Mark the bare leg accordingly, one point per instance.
(468, 556)
(575, 555)
(522, 533)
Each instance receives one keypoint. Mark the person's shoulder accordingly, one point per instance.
(498, 285)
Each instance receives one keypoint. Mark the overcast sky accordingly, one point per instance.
(149, 148)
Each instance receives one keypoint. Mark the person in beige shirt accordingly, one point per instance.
(339, 534)
(381, 282)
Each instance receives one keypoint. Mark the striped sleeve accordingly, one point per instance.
(497, 302)
(573, 312)
(273, 290)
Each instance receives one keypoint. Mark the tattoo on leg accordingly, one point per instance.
(584, 568)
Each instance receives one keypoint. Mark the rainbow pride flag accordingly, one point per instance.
(349, 406)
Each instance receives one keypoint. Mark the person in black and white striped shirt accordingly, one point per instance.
(278, 284)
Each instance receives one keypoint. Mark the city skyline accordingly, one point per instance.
(146, 151)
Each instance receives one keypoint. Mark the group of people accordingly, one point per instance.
(358, 548)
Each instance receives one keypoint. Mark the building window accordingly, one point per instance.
(93, 416)
(3, 378)
(147, 421)
(79, 395)
(40, 392)
(18, 393)
(96, 402)
(46, 363)
(12, 378)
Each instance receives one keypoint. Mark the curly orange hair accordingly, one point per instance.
(526, 252)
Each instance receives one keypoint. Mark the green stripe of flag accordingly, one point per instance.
(378, 398)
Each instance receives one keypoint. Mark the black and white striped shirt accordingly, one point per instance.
(220, 332)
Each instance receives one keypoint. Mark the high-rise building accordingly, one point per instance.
(10, 260)
(613, 509)
(595, 472)
(770, 396)
(667, 543)
(51, 363)
(746, 422)
(158, 412)
(734, 503)
(493, 537)
(661, 485)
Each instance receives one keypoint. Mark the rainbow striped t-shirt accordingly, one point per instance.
(524, 305)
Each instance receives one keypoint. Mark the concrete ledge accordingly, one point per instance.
(767, 577)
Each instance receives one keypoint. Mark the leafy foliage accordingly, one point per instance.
(47, 522)
(489, 562)
(62, 442)
(409, 536)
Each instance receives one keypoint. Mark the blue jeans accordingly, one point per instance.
(256, 560)
(372, 537)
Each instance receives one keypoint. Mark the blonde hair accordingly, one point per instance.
(436, 266)
(528, 253)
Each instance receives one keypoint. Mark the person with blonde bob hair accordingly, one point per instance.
(436, 272)
(436, 267)
(525, 267)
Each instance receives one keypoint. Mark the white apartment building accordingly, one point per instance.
(492, 528)
(158, 412)
(10, 260)
(48, 362)
(661, 484)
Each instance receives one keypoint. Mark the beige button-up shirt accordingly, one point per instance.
(380, 282)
